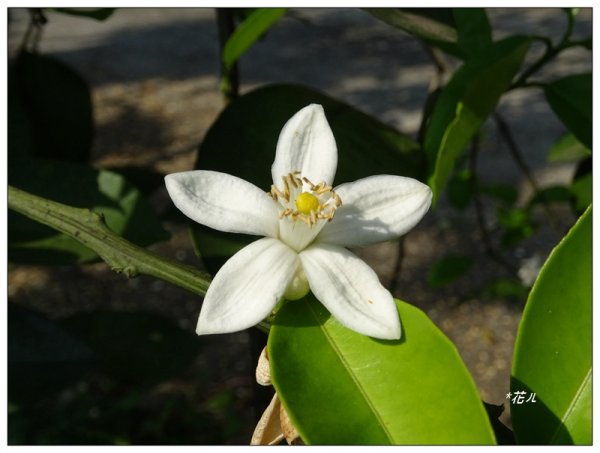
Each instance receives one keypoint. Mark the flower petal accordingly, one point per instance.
(306, 144)
(376, 209)
(247, 287)
(223, 202)
(351, 291)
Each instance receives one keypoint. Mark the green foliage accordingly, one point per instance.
(56, 107)
(466, 102)
(567, 149)
(98, 14)
(125, 211)
(571, 100)
(248, 32)
(448, 269)
(340, 387)
(553, 351)
(365, 147)
(474, 30)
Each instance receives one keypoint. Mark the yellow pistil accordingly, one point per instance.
(307, 203)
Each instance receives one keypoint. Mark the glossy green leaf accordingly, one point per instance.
(553, 350)
(340, 387)
(434, 25)
(243, 139)
(517, 223)
(125, 210)
(58, 105)
(465, 103)
(571, 100)
(568, 149)
(474, 30)
(248, 32)
(98, 14)
(448, 269)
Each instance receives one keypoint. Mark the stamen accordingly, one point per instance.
(311, 206)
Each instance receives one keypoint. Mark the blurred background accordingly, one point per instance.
(111, 360)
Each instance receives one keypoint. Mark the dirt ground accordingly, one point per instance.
(154, 78)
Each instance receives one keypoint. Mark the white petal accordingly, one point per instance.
(376, 209)
(351, 291)
(247, 287)
(306, 144)
(223, 202)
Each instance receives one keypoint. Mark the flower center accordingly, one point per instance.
(302, 200)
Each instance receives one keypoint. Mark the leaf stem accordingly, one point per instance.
(90, 229)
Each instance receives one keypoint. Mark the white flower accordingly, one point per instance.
(306, 224)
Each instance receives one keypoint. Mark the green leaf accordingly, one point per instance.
(474, 30)
(448, 269)
(340, 387)
(136, 347)
(503, 192)
(98, 14)
(58, 105)
(571, 100)
(517, 223)
(581, 188)
(461, 189)
(126, 212)
(243, 139)
(434, 25)
(553, 350)
(504, 288)
(465, 103)
(248, 32)
(551, 194)
(568, 149)
(38, 347)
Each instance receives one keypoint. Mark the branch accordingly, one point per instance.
(230, 84)
(121, 255)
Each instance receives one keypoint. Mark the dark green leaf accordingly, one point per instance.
(466, 102)
(503, 192)
(92, 13)
(517, 223)
(448, 269)
(553, 350)
(504, 435)
(340, 387)
(505, 288)
(58, 106)
(461, 189)
(571, 100)
(435, 26)
(568, 149)
(581, 188)
(242, 142)
(126, 212)
(474, 31)
(136, 347)
(551, 194)
(42, 357)
(248, 32)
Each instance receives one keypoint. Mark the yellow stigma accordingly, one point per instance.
(307, 203)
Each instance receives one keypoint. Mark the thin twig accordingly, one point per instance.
(516, 154)
(230, 85)
(485, 234)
